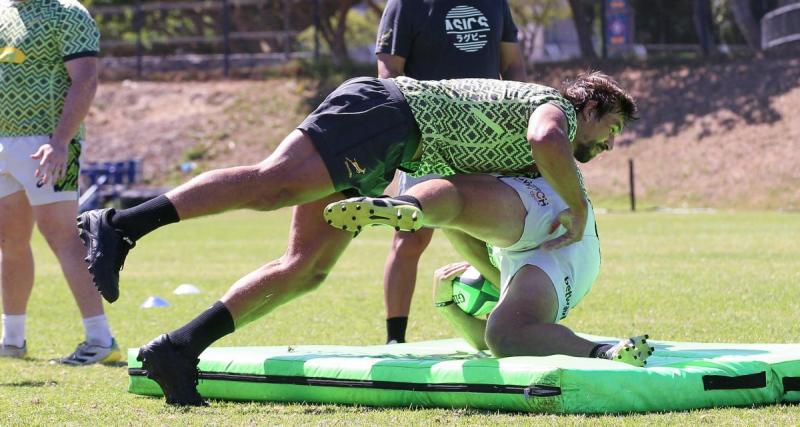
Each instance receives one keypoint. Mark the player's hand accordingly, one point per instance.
(443, 280)
(574, 223)
(52, 162)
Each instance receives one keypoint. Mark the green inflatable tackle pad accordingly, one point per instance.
(450, 374)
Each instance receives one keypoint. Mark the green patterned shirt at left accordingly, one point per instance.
(477, 125)
(36, 38)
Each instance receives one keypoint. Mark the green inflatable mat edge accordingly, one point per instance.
(450, 374)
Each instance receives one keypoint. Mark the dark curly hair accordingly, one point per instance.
(599, 87)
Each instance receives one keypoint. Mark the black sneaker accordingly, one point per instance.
(106, 249)
(176, 374)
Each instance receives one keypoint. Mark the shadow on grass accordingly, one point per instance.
(30, 384)
(326, 409)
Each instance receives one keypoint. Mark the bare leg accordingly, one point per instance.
(56, 221)
(522, 323)
(171, 359)
(314, 248)
(293, 174)
(475, 204)
(400, 272)
(16, 258)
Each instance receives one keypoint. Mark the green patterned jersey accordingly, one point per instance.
(36, 38)
(477, 125)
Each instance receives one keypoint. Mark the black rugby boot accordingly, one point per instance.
(106, 249)
(176, 374)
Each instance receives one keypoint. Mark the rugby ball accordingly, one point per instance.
(474, 294)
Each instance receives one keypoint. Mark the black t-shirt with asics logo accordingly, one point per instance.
(446, 38)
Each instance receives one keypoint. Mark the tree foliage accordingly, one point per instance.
(342, 24)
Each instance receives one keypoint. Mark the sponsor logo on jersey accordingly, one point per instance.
(12, 55)
(467, 27)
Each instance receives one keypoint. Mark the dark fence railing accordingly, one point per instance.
(165, 36)
(781, 26)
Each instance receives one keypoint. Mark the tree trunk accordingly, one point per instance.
(338, 41)
(583, 26)
(750, 28)
(702, 23)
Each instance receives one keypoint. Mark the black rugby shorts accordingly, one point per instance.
(363, 130)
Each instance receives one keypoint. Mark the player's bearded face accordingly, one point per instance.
(598, 138)
(587, 151)
(582, 153)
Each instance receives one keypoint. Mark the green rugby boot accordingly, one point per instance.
(633, 351)
(358, 212)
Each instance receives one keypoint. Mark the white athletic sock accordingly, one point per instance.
(97, 330)
(14, 329)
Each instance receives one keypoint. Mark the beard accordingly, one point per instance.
(583, 153)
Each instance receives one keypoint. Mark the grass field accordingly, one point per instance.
(724, 277)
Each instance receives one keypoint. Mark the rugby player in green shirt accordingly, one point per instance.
(48, 78)
(352, 144)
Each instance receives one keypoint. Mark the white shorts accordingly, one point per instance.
(406, 181)
(572, 269)
(17, 171)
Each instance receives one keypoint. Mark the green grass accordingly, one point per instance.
(706, 277)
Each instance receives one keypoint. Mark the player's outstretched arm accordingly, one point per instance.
(472, 329)
(554, 156)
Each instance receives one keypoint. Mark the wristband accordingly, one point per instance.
(443, 303)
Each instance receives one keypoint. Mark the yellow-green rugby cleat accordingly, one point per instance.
(358, 212)
(633, 351)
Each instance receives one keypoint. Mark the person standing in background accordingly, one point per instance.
(436, 40)
(48, 76)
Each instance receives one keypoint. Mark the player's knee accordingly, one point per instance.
(503, 335)
(12, 246)
(58, 237)
(304, 275)
(270, 199)
(500, 339)
(313, 281)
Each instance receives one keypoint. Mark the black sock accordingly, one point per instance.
(409, 199)
(396, 329)
(209, 326)
(139, 220)
(599, 351)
